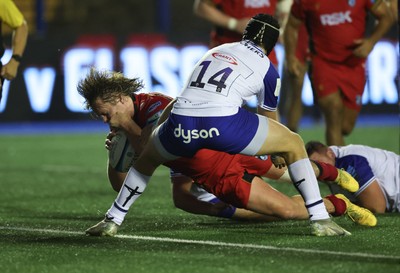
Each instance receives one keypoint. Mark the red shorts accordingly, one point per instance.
(327, 78)
(226, 176)
(234, 186)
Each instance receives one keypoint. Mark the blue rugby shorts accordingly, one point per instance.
(241, 133)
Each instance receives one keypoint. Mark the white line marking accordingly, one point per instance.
(213, 243)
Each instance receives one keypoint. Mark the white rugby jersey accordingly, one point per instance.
(367, 164)
(225, 78)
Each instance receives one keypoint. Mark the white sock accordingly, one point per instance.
(303, 177)
(133, 186)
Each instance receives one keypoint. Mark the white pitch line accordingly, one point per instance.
(214, 243)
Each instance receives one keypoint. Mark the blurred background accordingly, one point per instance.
(156, 40)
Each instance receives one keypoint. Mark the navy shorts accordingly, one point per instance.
(243, 132)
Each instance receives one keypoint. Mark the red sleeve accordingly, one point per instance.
(148, 107)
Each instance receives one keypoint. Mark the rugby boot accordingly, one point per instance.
(359, 215)
(104, 228)
(327, 227)
(346, 181)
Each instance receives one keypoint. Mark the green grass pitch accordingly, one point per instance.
(53, 187)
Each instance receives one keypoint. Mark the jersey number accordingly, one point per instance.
(220, 84)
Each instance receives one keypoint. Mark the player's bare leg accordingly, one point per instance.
(333, 110)
(294, 105)
(267, 200)
(349, 120)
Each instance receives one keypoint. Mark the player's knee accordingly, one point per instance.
(294, 139)
(332, 110)
(346, 131)
(297, 143)
(347, 128)
(295, 149)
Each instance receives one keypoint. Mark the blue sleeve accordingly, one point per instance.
(271, 89)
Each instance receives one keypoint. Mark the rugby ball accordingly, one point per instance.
(121, 155)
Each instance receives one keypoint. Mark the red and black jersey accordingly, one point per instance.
(148, 107)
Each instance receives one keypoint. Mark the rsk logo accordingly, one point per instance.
(194, 134)
(336, 18)
(257, 3)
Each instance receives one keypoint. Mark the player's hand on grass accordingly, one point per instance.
(104, 228)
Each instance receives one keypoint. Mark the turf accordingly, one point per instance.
(53, 187)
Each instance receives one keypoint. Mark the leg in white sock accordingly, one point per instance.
(134, 185)
(303, 177)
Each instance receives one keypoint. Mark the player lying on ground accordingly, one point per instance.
(377, 172)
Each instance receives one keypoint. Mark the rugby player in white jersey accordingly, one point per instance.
(209, 114)
(377, 172)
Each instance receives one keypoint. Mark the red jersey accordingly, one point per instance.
(333, 25)
(148, 107)
(240, 9)
(246, 8)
